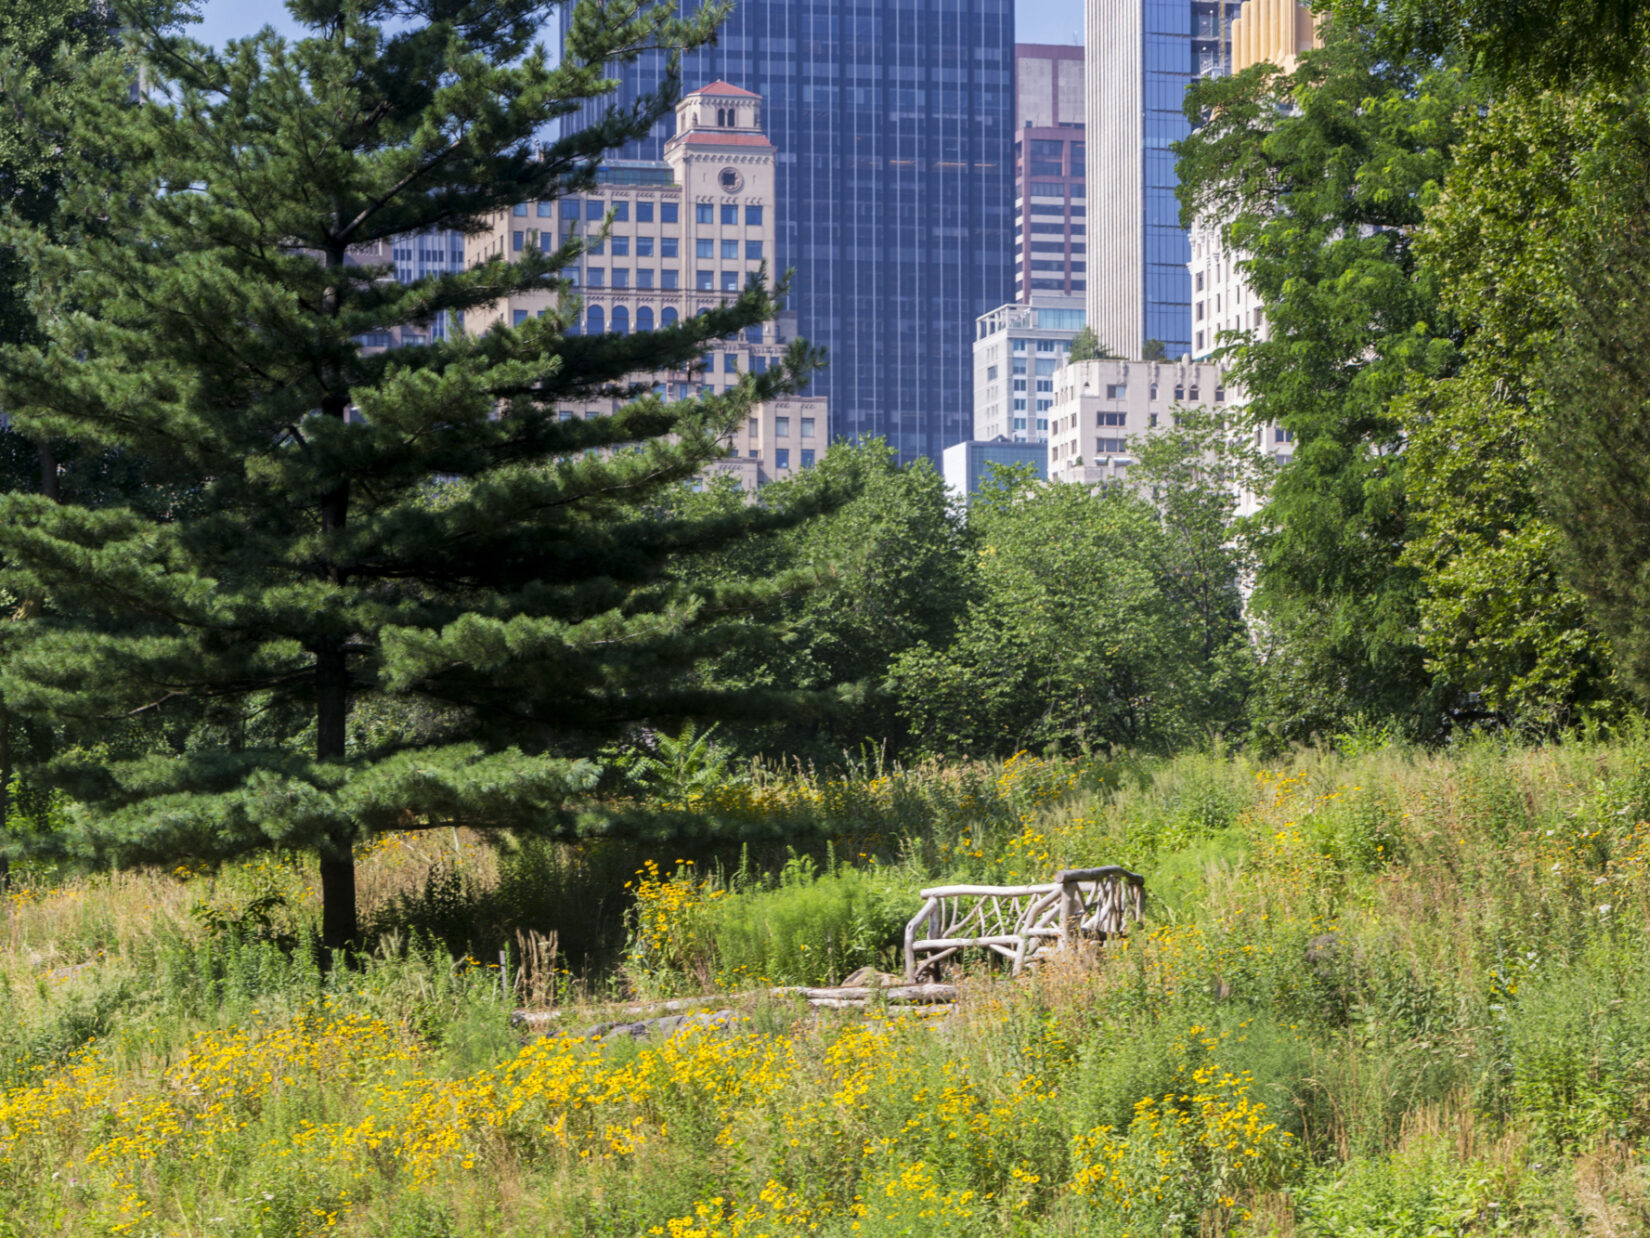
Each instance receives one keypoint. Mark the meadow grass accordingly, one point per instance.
(1389, 992)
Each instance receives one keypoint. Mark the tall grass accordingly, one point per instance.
(1386, 992)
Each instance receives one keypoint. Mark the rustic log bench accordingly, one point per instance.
(1094, 904)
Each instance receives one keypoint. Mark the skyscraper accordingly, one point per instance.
(1142, 54)
(893, 119)
(1050, 247)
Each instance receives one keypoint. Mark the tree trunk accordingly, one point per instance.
(339, 927)
(48, 473)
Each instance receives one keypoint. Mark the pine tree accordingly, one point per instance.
(401, 593)
(42, 45)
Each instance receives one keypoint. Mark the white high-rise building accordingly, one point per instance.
(1141, 56)
(1017, 350)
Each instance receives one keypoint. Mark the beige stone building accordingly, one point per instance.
(681, 235)
(1099, 406)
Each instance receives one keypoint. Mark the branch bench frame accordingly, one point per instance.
(1093, 904)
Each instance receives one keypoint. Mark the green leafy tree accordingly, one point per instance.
(412, 537)
(1498, 616)
(1557, 42)
(1598, 450)
(892, 559)
(1324, 176)
(1086, 346)
(1095, 617)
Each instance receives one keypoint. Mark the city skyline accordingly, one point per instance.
(1035, 21)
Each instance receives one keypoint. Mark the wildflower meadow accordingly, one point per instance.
(1377, 992)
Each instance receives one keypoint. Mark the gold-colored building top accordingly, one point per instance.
(1273, 30)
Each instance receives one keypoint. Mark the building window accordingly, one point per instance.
(1045, 384)
(753, 216)
(704, 212)
(751, 426)
(1048, 345)
(517, 317)
(730, 251)
(1020, 406)
(1179, 392)
(516, 240)
(1194, 393)
(730, 363)
(704, 247)
(1042, 424)
(730, 215)
(569, 208)
(1220, 395)
(730, 281)
(782, 458)
(621, 319)
(597, 246)
(595, 276)
(547, 242)
(1280, 435)
(754, 334)
(1109, 446)
(520, 208)
(595, 324)
(705, 281)
(753, 251)
(644, 277)
(1019, 423)
(668, 213)
(1117, 391)
(644, 317)
(807, 427)
(807, 457)
(670, 278)
(990, 373)
(644, 247)
(644, 212)
(1110, 419)
(593, 209)
(667, 317)
(621, 212)
(544, 209)
(782, 427)
(621, 277)
(621, 247)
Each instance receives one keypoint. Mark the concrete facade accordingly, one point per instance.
(1018, 349)
(1099, 406)
(687, 232)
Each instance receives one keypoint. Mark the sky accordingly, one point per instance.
(1038, 21)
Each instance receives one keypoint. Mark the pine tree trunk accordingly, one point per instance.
(339, 927)
(338, 920)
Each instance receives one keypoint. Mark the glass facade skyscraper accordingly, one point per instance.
(893, 121)
(1142, 54)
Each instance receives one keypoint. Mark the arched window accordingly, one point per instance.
(593, 320)
(721, 117)
(644, 318)
(668, 317)
(621, 320)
